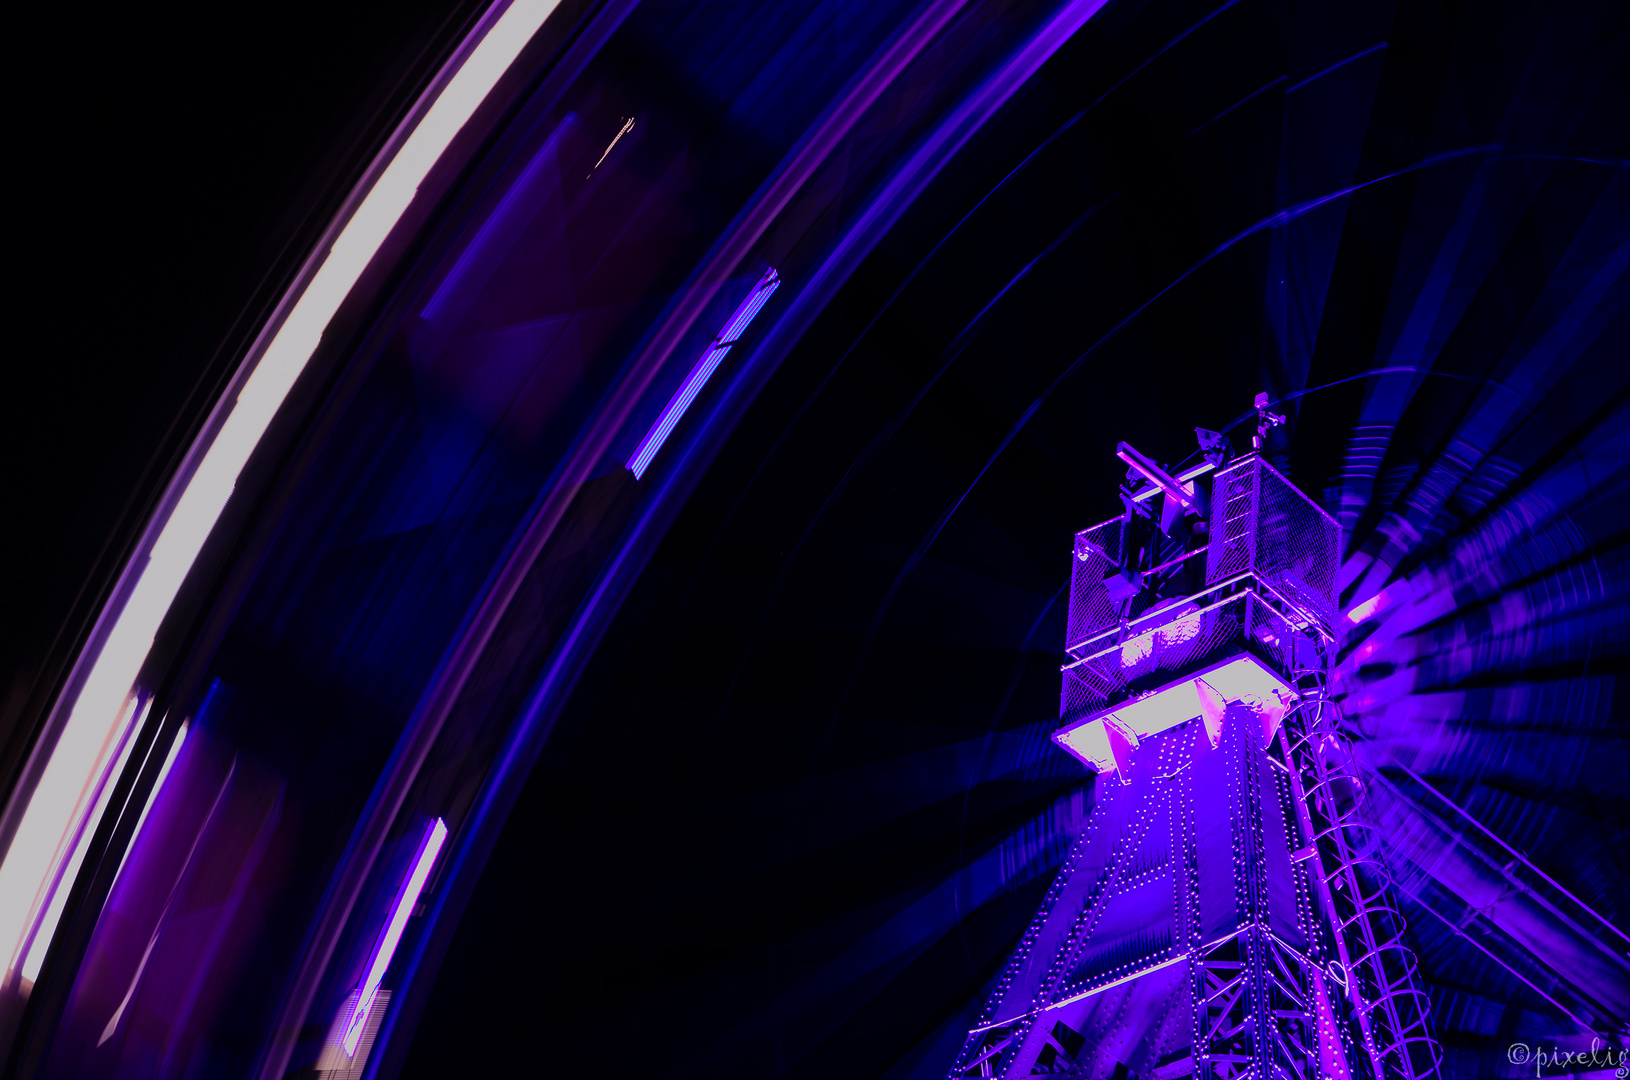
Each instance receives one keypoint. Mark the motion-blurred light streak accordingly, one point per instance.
(169, 903)
(380, 962)
(53, 892)
(152, 797)
(628, 125)
(33, 873)
(1508, 908)
(702, 371)
(1337, 65)
(505, 222)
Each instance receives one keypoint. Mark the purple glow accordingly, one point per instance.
(152, 796)
(429, 848)
(88, 722)
(699, 375)
(1381, 601)
(1369, 607)
(503, 220)
(1206, 695)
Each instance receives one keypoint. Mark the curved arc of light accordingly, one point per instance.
(109, 665)
(977, 206)
(891, 61)
(922, 264)
(552, 687)
(555, 683)
(933, 151)
(900, 289)
(1072, 13)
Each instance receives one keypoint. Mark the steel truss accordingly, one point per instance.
(1225, 913)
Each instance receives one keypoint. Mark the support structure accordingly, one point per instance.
(1225, 913)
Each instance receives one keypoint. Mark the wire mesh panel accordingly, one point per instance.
(1260, 525)
(1092, 610)
(1097, 554)
(1175, 642)
(1263, 525)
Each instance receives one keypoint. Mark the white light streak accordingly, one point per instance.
(624, 130)
(392, 936)
(1369, 607)
(122, 743)
(1118, 982)
(29, 880)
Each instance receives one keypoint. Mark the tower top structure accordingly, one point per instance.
(1224, 913)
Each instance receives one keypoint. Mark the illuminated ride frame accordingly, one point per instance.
(1225, 913)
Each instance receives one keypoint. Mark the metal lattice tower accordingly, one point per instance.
(1225, 913)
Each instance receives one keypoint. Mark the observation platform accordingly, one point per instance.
(1142, 663)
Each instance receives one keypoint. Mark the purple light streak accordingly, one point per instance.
(505, 219)
(429, 848)
(46, 818)
(699, 375)
(1338, 64)
(152, 796)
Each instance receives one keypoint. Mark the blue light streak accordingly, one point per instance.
(704, 369)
